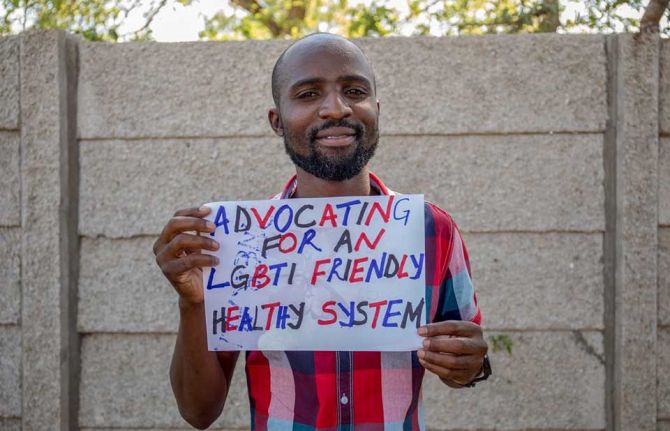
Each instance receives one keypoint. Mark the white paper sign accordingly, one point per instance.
(317, 274)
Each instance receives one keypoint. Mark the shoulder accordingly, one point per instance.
(438, 221)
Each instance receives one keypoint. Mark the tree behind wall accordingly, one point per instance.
(266, 19)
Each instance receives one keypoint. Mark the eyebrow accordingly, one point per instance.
(345, 78)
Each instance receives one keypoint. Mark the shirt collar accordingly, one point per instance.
(292, 184)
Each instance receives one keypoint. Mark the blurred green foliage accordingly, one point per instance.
(267, 19)
(92, 19)
(500, 342)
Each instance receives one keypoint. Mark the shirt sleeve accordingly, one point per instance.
(457, 299)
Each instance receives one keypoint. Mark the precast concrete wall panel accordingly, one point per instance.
(539, 83)
(121, 289)
(9, 83)
(10, 424)
(10, 238)
(523, 280)
(664, 276)
(538, 281)
(125, 383)
(502, 183)
(133, 187)
(10, 188)
(551, 380)
(664, 180)
(488, 183)
(10, 372)
(181, 89)
(10, 276)
(664, 88)
(663, 373)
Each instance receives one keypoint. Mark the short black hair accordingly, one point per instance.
(276, 70)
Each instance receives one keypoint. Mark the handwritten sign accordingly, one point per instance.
(317, 274)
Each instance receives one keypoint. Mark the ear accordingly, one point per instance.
(275, 122)
(378, 107)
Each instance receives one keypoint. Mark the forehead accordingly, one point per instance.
(323, 58)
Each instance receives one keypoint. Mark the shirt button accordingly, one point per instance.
(344, 400)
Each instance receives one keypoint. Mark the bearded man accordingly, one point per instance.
(327, 113)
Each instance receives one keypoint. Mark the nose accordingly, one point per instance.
(334, 106)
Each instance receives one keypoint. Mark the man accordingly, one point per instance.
(327, 113)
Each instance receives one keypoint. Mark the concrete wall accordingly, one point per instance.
(551, 152)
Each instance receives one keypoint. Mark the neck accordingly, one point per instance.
(310, 186)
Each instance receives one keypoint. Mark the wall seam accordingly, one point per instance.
(609, 239)
(69, 172)
(21, 220)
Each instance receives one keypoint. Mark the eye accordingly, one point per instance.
(356, 92)
(307, 94)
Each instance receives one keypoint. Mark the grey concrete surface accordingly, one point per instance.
(125, 383)
(185, 89)
(44, 261)
(428, 85)
(523, 281)
(121, 289)
(7, 424)
(552, 380)
(488, 183)
(637, 225)
(663, 373)
(502, 183)
(197, 89)
(10, 277)
(526, 281)
(663, 425)
(664, 276)
(10, 371)
(10, 188)
(131, 188)
(664, 91)
(664, 179)
(9, 82)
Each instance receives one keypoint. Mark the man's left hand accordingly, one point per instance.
(454, 350)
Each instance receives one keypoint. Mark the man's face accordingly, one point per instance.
(328, 109)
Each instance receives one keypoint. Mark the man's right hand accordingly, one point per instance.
(178, 252)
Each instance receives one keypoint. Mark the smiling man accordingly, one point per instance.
(327, 113)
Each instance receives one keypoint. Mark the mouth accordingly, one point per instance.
(335, 137)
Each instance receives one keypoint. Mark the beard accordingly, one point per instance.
(334, 168)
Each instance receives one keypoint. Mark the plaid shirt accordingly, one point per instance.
(363, 390)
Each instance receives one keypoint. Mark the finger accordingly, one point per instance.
(461, 328)
(180, 224)
(451, 362)
(188, 242)
(193, 211)
(455, 345)
(460, 377)
(175, 267)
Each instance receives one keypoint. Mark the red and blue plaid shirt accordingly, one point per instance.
(363, 390)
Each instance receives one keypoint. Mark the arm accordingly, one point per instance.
(454, 347)
(200, 378)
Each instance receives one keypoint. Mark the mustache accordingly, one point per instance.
(357, 128)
